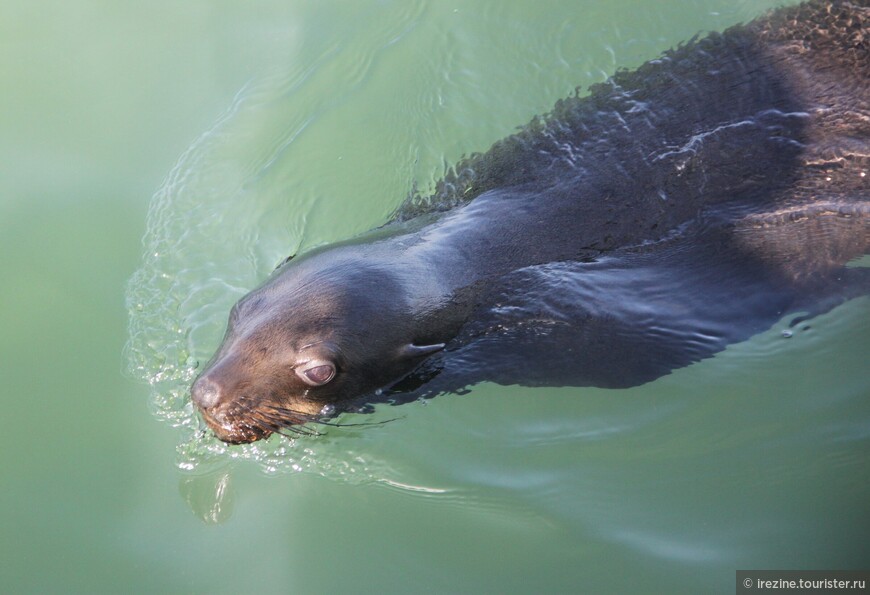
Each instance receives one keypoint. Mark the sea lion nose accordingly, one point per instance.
(205, 392)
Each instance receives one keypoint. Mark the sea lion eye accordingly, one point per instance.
(317, 372)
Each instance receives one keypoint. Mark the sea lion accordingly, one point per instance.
(673, 210)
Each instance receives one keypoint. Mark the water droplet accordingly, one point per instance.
(787, 334)
(328, 409)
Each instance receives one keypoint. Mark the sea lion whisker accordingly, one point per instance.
(275, 426)
(285, 411)
(301, 431)
(287, 429)
(266, 424)
(295, 419)
(255, 419)
(274, 417)
(357, 424)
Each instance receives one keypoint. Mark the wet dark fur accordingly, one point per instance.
(675, 209)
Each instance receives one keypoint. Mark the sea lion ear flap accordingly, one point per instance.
(410, 350)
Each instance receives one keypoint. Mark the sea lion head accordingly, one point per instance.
(318, 334)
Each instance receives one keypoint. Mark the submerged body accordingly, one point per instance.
(677, 208)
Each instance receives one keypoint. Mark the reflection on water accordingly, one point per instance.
(209, 496)
(716, 466)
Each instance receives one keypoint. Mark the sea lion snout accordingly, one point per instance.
(224, 412)
(205, 392)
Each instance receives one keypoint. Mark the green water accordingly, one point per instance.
(262, 127)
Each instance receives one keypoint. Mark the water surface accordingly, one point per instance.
(295, 124)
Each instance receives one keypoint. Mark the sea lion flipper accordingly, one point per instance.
(807, 240)
(850, 283)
